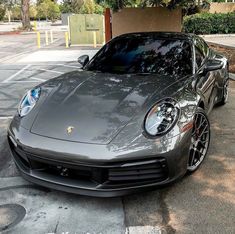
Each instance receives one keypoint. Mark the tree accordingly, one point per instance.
(88, 7)
(76, 5)
(18, 9)
(54, 11)
(66, 6)
(48, 10)
(81, 7)
(171, 4)
(99, 9)
(2, 12)
(33, 12)
(16, 12)
(25, 14)
(71, 6)
(8, 5)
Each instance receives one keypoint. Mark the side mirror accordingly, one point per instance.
(213, 65)
(83, 60)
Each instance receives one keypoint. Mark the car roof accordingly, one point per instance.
(171, 35)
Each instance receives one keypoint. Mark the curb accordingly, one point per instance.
(217, 35)
(10, 33)
(232, 76)
(220, 45)
(26, 33)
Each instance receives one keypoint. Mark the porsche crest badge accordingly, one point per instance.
(70, 129)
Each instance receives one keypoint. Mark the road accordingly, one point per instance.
(200, 203)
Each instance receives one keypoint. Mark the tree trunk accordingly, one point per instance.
(25, 14)
(9, 15)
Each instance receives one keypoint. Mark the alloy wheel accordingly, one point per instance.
(200, 140)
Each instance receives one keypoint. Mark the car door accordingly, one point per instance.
(205, 81)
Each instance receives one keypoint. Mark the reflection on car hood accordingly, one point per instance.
(93, 107)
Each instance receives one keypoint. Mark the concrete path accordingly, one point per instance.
(8, 27)
(226, 40)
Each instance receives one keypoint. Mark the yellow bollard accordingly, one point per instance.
(46, 38)
(51, 34)
(34, 25)
(38, 40)
(94, 39)
(66, 39)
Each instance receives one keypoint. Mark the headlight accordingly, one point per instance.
(162, 117)
(28, 101)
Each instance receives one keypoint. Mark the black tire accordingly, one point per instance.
(200, 140)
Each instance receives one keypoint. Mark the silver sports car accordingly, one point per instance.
(134, 117)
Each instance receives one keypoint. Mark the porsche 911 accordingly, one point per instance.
(134, 117)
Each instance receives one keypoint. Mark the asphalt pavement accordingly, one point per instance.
(200, 203)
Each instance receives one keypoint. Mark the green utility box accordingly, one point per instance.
(82, 28)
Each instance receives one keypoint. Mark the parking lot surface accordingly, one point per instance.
(200, 203)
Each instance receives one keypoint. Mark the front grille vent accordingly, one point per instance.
(153, 171)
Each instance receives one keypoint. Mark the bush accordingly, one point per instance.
(16, 12)
(48, 10)
(207, 23)
(2, 12)
(54, 12)
(33, 12)
(90, 7)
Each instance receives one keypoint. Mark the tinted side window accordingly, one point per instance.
(199, 57)
(202, 46)
(206, 48)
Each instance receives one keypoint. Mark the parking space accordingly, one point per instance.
(15, 80)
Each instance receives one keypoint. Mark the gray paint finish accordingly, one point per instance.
(107, 112)
(97, 105)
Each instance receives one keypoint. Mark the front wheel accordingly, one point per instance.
(200, 140)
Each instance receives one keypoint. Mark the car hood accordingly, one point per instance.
(93, 107)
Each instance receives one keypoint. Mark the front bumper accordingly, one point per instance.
(98, 170)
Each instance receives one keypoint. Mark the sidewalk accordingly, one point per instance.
(9, 27)
(44, 56)
(232, 76)
(227, 40)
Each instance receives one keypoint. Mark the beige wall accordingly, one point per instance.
(222, 7)
(147, 19)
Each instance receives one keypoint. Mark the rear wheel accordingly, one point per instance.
(200, 140)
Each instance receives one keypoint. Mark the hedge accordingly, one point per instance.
(208, 23)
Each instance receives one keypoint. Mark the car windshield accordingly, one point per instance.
(144, 54)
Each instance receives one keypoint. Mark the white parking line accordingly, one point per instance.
(51, 71)
(39, 79)
(23, 81)
(16, 74)
(65, 65)
(143, 229)
(5, 117)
